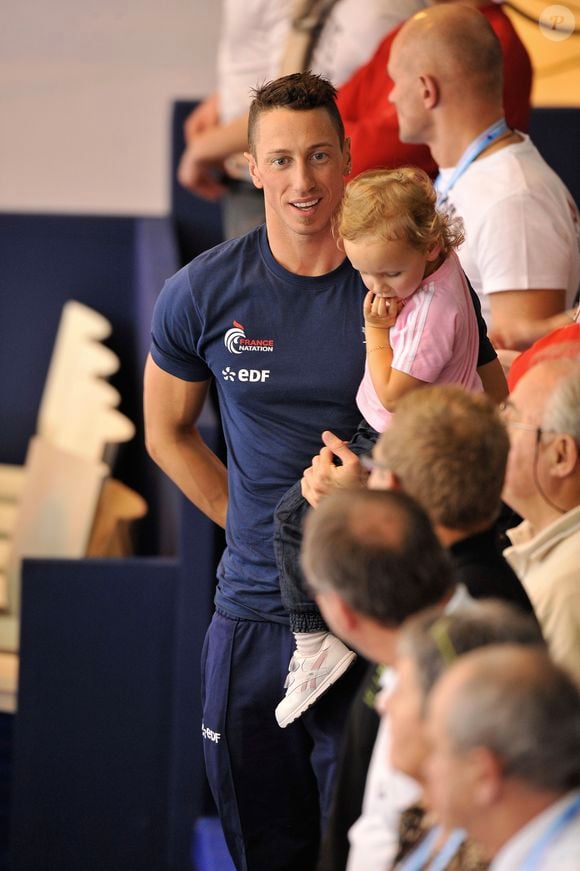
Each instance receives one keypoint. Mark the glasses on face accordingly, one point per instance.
(506, 409)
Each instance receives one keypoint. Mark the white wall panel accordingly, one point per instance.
(85, 93)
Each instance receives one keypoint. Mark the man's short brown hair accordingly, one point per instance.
(448, 448)
(298, 91)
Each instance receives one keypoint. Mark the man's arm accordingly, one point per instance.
(520, 317)
(493, 380)
(518, 313)
(172, 408)
(489, 366)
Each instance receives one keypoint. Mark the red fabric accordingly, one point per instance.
(371, 121)
(563, 342)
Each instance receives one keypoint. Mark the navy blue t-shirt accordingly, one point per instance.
(287, 355)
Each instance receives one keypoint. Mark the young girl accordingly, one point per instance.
(420, 328)
(420, 324)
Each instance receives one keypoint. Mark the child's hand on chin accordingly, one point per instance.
(381, 311)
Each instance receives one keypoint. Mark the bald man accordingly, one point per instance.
(370, 121)
(446, 66)
(504, 726)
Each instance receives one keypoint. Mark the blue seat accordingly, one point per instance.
(197, 222)
(209, 850)
(556, 133)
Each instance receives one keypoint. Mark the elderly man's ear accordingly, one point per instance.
(485, 771)
(564, 456)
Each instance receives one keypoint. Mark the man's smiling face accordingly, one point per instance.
(299, 163)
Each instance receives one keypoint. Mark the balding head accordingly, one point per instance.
(504, 729)
(457, 46)
(378, 552)
(507, 699)
(556, 385)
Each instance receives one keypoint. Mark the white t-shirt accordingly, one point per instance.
(250, 50)
(254, 32)
(521, 224)
(353, 31)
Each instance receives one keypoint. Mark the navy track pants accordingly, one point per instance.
(272, 786)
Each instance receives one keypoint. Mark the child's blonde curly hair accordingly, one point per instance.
(396, 205)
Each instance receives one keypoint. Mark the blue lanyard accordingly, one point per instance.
(532, 859)
(472, 151)
(417, 860)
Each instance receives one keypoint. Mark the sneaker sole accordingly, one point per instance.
(339, 669)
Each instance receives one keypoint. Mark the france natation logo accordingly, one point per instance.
(236, 341)
(232, 338)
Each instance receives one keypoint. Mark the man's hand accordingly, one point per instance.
(323, 476)
(202, 161)
(205, 115)
(199, 176)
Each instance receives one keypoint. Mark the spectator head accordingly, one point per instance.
(446, 448)
(372, 559)
(427, 645)
(504, 729)
(543, 421)
(396, 205)
(444, 58)
(391, 232)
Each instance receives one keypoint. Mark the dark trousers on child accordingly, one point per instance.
(288, 523)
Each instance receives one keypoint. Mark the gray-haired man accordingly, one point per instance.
(505, 761)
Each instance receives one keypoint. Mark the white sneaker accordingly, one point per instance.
(311, 676)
